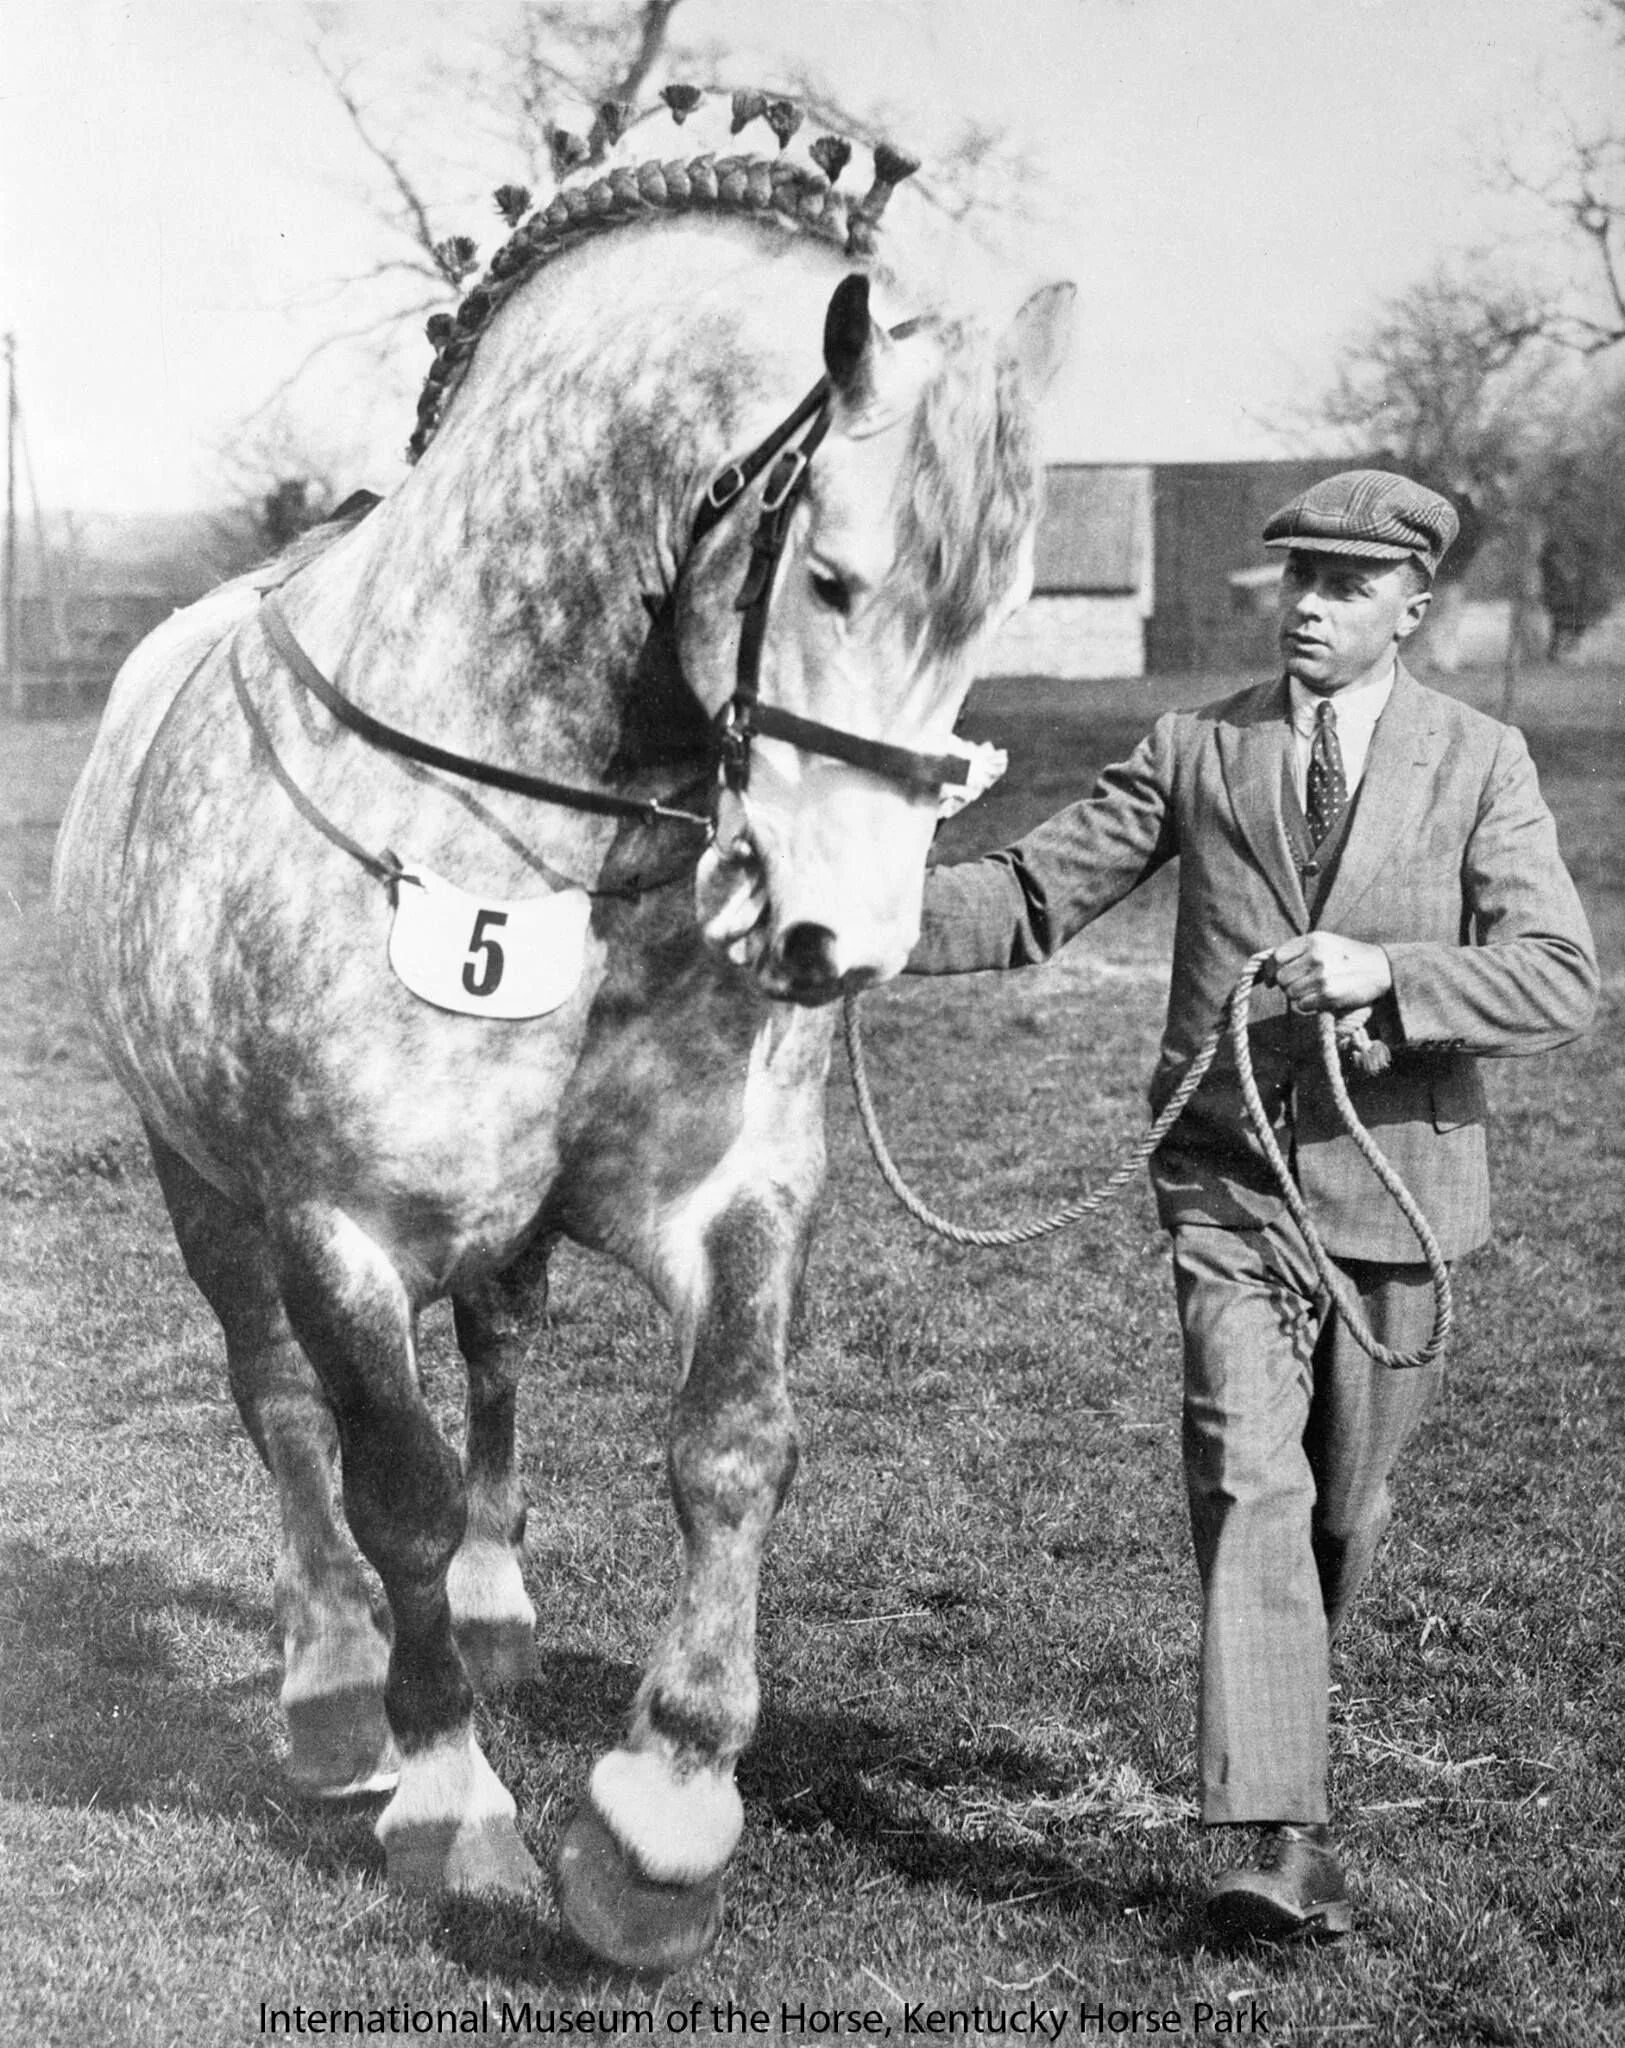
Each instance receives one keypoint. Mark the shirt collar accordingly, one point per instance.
(1361, 706)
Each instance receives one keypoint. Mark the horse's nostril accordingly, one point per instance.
(807, 953)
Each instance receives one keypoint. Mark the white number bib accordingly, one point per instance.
(483, 956)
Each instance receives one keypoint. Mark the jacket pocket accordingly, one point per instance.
(1458, 1096)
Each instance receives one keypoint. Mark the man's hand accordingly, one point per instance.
(1324, 972)
(987, 764)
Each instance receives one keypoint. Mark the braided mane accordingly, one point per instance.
(798, 197)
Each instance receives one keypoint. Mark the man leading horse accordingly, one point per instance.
(1390, 847)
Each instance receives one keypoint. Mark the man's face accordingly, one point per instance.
(1342, 617)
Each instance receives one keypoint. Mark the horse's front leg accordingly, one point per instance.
(641, 1865)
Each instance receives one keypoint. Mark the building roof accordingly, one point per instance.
(1094, 532)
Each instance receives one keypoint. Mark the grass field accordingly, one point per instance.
(971, 1785)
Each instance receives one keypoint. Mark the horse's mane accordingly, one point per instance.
(799, 198)
(972, 491)
(970, 498)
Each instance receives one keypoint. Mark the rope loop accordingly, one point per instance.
(1335, 1283)
(1234, 1020)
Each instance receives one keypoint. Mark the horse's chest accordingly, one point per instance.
(293, 1048)
(259, 1019)
(275, 1028)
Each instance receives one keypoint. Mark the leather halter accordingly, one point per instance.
(603, 802)
(744, 717)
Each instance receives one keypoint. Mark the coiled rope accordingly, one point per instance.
(1235, 1021)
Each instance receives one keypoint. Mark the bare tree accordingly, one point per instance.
(1582, 504)
(554, 90)
(1582, 186)
(560, 54)
(562, 57)
(1588, 196)
(1459, 383)
(1462, 380)
(1454, 382)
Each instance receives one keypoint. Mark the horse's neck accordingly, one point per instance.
(559, 490)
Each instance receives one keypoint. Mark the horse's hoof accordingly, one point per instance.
(484, 1857)
(497, 1654)
(624, 1917)
(339, 1745)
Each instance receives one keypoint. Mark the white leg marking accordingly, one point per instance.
(779, 1149)
(343, 1660)
(485, 1583)
(449, 1781)
(332, 1700)
(678, 1831)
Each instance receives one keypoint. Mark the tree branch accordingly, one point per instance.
(382, 324)
(653, 27)
(420, 229)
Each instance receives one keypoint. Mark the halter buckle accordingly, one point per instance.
(783, 479)
(724, 487)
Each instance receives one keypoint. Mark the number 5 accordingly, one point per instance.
(481, 979)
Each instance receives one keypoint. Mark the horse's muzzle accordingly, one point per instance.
(801, 967)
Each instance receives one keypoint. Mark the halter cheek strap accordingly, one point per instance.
(745, 717)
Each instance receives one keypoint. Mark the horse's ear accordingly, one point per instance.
(1040, 336)
(850, 337)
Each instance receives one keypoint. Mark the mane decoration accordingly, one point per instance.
(797, 196)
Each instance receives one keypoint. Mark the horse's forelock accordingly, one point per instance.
(968, 494)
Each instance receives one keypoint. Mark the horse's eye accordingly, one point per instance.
(831, 591)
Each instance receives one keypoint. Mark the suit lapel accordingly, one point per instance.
(1253, 749)
(1392, 794)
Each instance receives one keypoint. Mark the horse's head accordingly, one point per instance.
(911, 541)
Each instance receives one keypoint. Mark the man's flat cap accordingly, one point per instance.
(1366, 512)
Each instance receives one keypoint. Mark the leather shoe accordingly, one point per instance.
(1291, 1885)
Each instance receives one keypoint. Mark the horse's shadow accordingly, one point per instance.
(107, 1700)
(105, 1703)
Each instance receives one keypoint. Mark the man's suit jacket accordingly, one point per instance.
(1450, 864)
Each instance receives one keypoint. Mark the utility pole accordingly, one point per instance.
(13, 653)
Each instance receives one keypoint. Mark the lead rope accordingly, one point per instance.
(1235, 1019)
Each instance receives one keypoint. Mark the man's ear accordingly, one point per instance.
(1416, 610)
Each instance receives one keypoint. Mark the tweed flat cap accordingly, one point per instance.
(1366, 512)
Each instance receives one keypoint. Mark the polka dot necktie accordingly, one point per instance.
(1328, 792)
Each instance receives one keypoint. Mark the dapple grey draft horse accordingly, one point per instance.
(422, 925)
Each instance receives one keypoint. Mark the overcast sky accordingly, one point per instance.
(1234, 182)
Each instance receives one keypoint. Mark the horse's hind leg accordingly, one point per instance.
(334, 1657)
(490, 1609)
(451, 1821)
(640, 1868)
